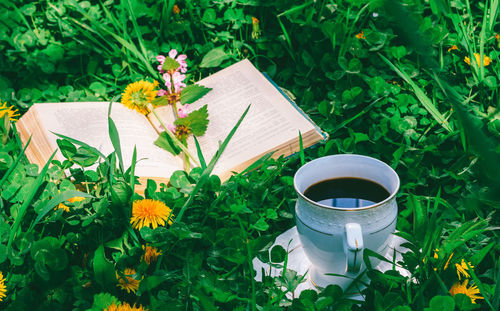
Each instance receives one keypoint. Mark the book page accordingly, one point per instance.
(88, 122)
(271, 121)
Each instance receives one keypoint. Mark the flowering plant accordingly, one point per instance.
(142, 96)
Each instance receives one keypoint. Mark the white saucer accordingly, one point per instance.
(298, 261)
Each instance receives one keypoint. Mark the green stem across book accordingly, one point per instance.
(272, 124)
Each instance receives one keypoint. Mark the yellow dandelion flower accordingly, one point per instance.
(76, 199)
(138, 94)
(452, 48)
(150, 254)
(148, 212)
(461, 288)
(71, 200)
(255, 20)
(127, 281)
(63, 207)
(3, 288)
(124, 307)
(462, 269)
(486, 60)
(361, 35)
(10, 111)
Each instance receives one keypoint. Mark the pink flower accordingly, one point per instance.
(161, 92)
(183, 111)
(161, 60)
(181, 59)
(171, 128)
(177, 79)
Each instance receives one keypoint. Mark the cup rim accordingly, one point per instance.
(390, 197)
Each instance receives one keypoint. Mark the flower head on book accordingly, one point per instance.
(180, 95)
(170, 65)
(143, 97)
(138, 95)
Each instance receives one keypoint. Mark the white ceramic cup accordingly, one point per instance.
(334, 238)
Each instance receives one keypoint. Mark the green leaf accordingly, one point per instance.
(209, 16)
(165, 142)
(193, 92)
(59, 198)
(354, 66)
(278, 254)
(441, 303)
(151, 282)
(5, 160)
(479, 255)
(3, 253)
(428, 104)
(214, 57)
(98, 88)
(121, 194)
(354, 95)
(197, 121)
(179, 180)
(160, 101)
(85, 157)
(104, 270)
(80, 143)
(491, 82)
(48, 255)
(170, 64)
(102, 301)
(67, 149)
(464, 303)
(261, 225)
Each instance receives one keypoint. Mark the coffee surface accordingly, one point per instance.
(346, 192)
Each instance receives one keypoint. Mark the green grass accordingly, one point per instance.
(396, 93)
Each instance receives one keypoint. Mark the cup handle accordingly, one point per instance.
(353, 246)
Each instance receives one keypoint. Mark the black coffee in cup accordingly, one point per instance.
(347, 192)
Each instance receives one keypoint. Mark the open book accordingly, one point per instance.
(272, 124)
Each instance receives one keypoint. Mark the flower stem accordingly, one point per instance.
(176, 141)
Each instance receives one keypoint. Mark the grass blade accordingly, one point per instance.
(59, 198)
(27, 202)
(257, 163)
(301, 151)
(138, 32)
(81, 143)
(206, 173)
(480, 285)
(203, 164)
(132, 169)
(115, 138)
